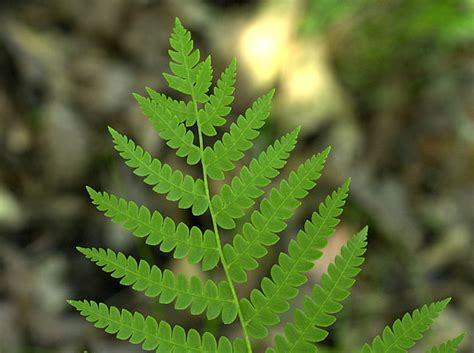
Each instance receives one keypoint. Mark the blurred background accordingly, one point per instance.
(388, 84)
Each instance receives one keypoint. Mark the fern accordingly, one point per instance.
(218, 299)
(450, 346)
(405, 332)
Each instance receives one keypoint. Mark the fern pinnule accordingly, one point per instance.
(206, 109)
(158, 230)
(152, 335)
(218, 107)
(450, 346)
(214, 298)
(405, 332)
(189, 192)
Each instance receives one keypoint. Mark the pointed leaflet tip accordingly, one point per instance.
(347, 183)
(325, 152)
(445, 302)
(90, 190)
(112, 131)
(81, 249)
(74, 303)
(271, 93)
(138, 98)
(363, 233)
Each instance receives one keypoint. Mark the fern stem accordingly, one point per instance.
(216, 232)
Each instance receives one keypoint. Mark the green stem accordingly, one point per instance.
(216, 232)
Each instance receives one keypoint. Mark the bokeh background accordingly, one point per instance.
(388, 84)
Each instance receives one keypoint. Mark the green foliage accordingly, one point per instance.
(450, 346)
(218, 299)
(405, 332)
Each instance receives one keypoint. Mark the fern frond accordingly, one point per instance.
(450, 346)
(170, 129)
(268, 303)
(310, 324)
(244, 189)
(406, 332)
(179, 239)
(184, 60)
(270, 219)
(152, 335)
(218, 106)
(213, 297)
(184, 189)
(222, 155)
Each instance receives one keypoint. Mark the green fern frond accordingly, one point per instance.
(170, 128)
(218, 106)
(406, 332)
(270, 219)
(268, 303)
(450, 346)
(213, 297)
(245, 188)
(219, 299)
(221, 157)
(152, 335)
(310, 323)
(189, 193)
(179, 239)
(184, 61)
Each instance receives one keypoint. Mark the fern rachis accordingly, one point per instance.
(263, 308)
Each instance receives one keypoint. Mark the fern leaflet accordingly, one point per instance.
(152, 335)
(165, 180)
(219, 102)
(214, 298)
(450, 346)
(310, 323)
(184, 242)
(266, 304)
(405, 332)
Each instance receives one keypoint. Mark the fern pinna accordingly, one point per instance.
(264, 307)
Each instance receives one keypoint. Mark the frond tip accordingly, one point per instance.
(407, 331)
